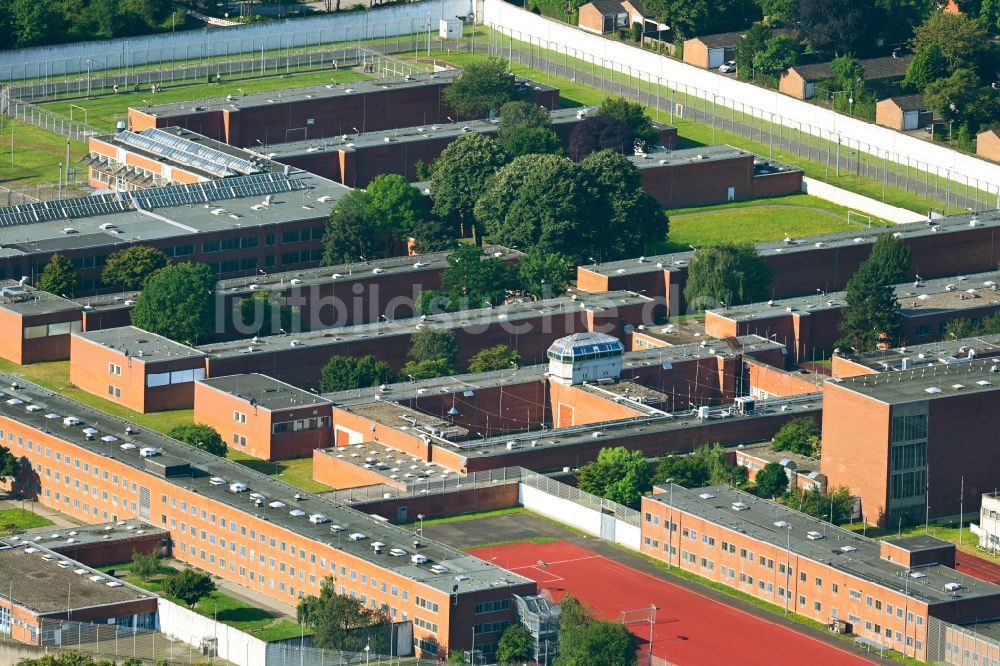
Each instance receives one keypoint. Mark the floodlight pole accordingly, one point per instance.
(652, 621)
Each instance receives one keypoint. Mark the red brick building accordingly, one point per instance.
(883, 592)
(263, 417)
(909, 442)
(319, 111)
(249, 528)
(916, 356)
(135, 368)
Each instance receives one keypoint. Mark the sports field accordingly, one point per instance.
(977, 567)
(690, 629)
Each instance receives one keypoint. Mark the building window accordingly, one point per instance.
(114, 369)
(239, 417)
(114, 391)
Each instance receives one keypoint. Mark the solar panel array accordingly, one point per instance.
(238, 187)
(189, 153)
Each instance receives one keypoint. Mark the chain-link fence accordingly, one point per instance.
(577, 496)
(768, 133)
(53, 122)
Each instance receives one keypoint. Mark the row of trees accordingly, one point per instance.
(433, 353)
(40, 22)
(126, 269)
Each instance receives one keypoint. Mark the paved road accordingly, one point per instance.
(520, 526)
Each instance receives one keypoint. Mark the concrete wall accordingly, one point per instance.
(731, 93)
(576, 515)
(234, 645)
(859, 202)
(194, 44)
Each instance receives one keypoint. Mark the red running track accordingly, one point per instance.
(690, 629)
(977, 567)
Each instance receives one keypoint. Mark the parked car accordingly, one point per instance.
(728, 67)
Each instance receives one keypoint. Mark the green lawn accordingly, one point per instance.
(947, 530)
(473, 516)
(13, 521)
(104, 111)
(55, 377)
(37, 155)
(798, 215)
(297, 472)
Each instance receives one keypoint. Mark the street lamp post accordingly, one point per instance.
(420, 530)
(951, 107)
(652, 621)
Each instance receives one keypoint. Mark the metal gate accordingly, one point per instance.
(608, 524)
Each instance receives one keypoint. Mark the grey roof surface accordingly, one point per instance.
(932, 353)
(927, 383)
(139, 345)
(721, 39)
(908, 102)
(395, 466)
(465, 319)
(679, 260)
(479, 575)
(919, 542)
(313, 200)
(865, 562)
(27, 300)
(685, 156)
(765, 451)
(886, 67)
(48, 585)
(353, 141)
(63, 537)
(265, 392)
(358, 271)
(915, 299)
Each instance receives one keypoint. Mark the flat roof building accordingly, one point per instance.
(443, 591)
(910, 443)
(320, 111)
(42, 585)
(263, 417)
(917, 356)
(98, 545)
(884, 592)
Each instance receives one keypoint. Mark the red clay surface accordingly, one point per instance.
(977, 567)
(690, 629)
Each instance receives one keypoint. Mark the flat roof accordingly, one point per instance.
(23, 299)
(395, 466)
(916, 298)
(264, 391)
(932, 353)
(357, 271)
(927, 383)
(175, 212)
(456, 320)
(765, 451)
(82, 535)
(320, 92)
(679, 260)
(140, 344)
(919, 542)
(45, 582)
(822, 542)
(352, 142)
(467, 572)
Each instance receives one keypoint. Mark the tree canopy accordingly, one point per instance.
(800, 436)
(433, 344)
(60, 277)
(355, 231)
(634, 116)
(515, 644)
(144, 565)
(342, 373)
(871, 318)
(397, 205)
(41, 22)
(264, 314)
(178, 302)
(618, 474)
(728, 274)
(9, 463)
(595, 133)
(706, 465)
(342, 622)
(545, 274)
(836, 501)
(483, 85)
(476, 278)
(200, 435)
(460, 176)
(892, 257)
(189, 585)
(500, 357)
(584, 641)
(525, 129)
(837, 27)
(130, 267)
(771, 481)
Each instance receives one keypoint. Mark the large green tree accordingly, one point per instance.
(706, 465)
(585, 641)
(515, 645)
(9, 463)
(460, 176)
(618, 474)
(545, 274)
(771, 481)
(202, 436)
(60, 277)
(892, 257)
(520, 115)
(342, 622)
(432, 344)
(397, 205)
(264, 314)
(189, 585)
(749, 46)
(726, 274)
(178, 302)
(837, 503)
(540, 201)
(482, 86)
(352, 372)
(837, 27)
(475, 279)
(500, 357)
(130, 267)
(801, 436)
(962, 41)
(926, 67)
(355, 231)
(871, 317)
(144, 565)
(634, 116)
(595, 133)
(434, 234)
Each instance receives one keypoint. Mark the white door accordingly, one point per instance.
(730, 194)
(910, 120)
(716, 57)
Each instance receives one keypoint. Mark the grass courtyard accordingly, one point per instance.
(296, 472)
(37, 155)
(13, 521)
